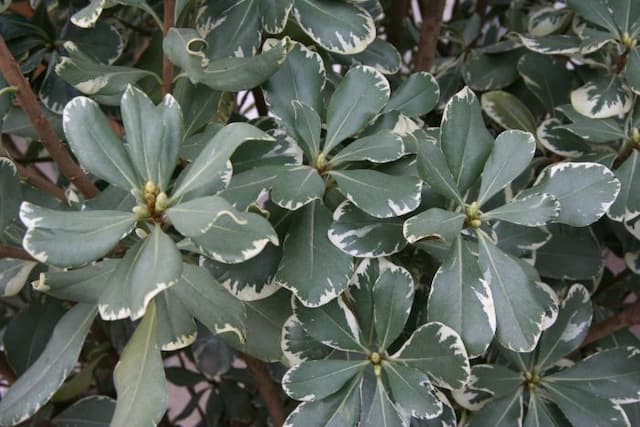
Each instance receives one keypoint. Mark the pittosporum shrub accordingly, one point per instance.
(320, 213)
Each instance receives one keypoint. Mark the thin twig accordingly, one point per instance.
(261, 104)
(31, 174)
(167, 66)
(431, 23)
(69, 168)
(267, 388)
(16, 252)
(629, 316)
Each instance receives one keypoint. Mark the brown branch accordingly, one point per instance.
(432, 11)
(167, 66)
(16, 252)
(399, 11)
(69, 168)
(31, 174)
(268, 390)
(6, 373)
(261, 104)
(629, 316)
(481, 7)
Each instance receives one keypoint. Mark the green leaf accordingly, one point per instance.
(338, 27)
(548, 20)
(221, 231)
(483, 71)
(333, 324)
(632, 70)
(497, 380)
(560, 44)
(307, 126)
(361, 235)
(186, 49)
(602, 97)
(33, 389)
(149, 267)
(338, 410)
(412, 391)
(298, 346)
(14, 273)
(460, 298)
(67, 239)
(570, 254)
(592, 130)
(569, 329)
(533, 210)
(312, 267)
(381, 147)
(96, 146)
(91, 411)
(583, 408)
(153, 133)
(392, 299)
(378, 194)
(250, 280)
(611, 374)
(231, 28)
(297, 186)
(139, 377)
(359, 97)
(433, 168)
(464, 139)
(102, 42)
(437, 350)
(26, 335)
(585, 190)
(380, 54)
(510, 156)
(560, 140)
(383, 413)
(275, 14)
(547, 78)
(11, 196)
(416, 96)
(214, 156)
(520, 303)
(84, 284)
(265, 320)
(540, 413)
(596, 12)
(245, 187)
(508, 111)
(176, 328)
(209, 302)
(503, 412)
(301, 77)
(627, 204)
(434, 224)
(317, 379)
(104, 83)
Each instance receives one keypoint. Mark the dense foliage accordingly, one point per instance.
(282, 210)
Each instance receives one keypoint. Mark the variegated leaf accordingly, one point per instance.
(460, 297)
(378, 194)
(68, 238)
(149, 267)
(312, 267)
(361, 235)
(338, 27)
